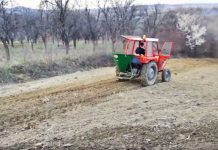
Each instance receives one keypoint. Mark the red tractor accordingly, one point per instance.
(144, 65)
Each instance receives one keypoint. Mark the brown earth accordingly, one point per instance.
(91, 110)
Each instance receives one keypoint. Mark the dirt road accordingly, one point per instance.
(91, 110)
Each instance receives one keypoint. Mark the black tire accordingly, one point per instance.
(149, 74)
(166, 75)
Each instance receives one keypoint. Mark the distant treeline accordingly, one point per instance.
(193, 30)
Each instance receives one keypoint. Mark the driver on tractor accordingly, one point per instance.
(135, 61)
(140, 50)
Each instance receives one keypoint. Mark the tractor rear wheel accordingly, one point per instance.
(166, 75)
(149, 73)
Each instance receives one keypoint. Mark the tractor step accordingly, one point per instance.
(125, 76)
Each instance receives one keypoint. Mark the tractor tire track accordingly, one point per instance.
(38, 106)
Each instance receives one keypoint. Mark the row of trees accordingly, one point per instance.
(64, 21)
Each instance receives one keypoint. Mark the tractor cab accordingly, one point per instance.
(132, 42)
(129, 64)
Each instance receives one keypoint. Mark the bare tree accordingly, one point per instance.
(116, 17)
(67, 21)
(168, 22)
(4, 27)
(74, 25)
(152, 19)
(20, 32)
(109, 21)
(92, 25)
(44, 22)
(61, 10)
(31, 26)
(125, 15)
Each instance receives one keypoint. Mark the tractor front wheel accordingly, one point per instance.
(166, 75)
(149, 74)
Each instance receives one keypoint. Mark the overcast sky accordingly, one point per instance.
(35, 3)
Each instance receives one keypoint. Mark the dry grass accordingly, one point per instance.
(54, 53)
(33, 71)
(185, 64)
(27, 64)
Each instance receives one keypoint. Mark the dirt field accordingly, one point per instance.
(91, 110)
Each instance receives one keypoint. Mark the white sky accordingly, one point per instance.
(35, 3)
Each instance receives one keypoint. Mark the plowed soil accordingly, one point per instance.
(92, 110)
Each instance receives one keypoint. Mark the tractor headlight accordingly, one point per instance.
(115, 56)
